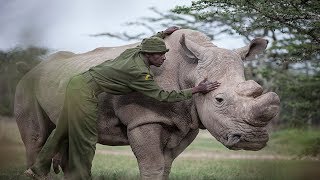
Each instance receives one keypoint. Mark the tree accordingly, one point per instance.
(13, 65)
(294, 25)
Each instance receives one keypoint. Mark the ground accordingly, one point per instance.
(206, 158)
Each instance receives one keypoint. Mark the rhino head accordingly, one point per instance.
(237, 112)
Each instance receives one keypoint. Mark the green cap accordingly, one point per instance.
(153, 45)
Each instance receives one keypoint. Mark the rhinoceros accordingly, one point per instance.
(236, 113)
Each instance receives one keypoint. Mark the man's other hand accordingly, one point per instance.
(205, 86)
(170, 30)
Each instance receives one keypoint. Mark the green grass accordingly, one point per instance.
(115, 167)
(293, 143)
(243, 169)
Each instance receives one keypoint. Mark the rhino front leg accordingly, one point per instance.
(171, 153)
(147, 145)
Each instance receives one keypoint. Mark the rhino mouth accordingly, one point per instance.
(238, 141)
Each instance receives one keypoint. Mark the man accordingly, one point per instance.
(127, 73)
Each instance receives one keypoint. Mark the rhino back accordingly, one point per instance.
(53, 75)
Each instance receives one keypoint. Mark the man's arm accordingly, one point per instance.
(145, 84)
(167, 32)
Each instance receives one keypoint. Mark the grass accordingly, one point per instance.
(114, 167)
(293, 143)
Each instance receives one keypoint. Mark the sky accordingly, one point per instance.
(66, 25)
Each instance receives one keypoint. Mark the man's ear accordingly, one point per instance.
(256, 46)
(147, 55)
(191, 49)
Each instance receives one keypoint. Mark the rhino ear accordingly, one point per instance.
(192, 50)
(256, 46)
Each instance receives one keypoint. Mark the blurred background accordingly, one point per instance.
(31, 30)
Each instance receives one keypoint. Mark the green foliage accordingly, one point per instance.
(293, 25)
(302, 99)
(295, 142)
(13, 65)
(299, 94)
(313, 149)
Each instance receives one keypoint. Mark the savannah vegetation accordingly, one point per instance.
(283, 158)
(290, 67)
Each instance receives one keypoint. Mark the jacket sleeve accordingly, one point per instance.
(159, 35)
(145, 84)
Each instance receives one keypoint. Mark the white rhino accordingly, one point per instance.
(236, 113)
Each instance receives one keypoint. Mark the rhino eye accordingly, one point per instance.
(218, 99)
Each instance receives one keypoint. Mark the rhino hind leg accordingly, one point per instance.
(34, 126)
(111, 131)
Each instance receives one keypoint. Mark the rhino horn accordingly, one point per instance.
(256, 46)
(249, 88)
(264, 108)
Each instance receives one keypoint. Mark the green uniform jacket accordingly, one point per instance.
(128, 73)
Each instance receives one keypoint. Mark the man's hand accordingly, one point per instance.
(205, 86)
(170, 30)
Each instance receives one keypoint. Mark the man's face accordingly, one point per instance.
(156, 59)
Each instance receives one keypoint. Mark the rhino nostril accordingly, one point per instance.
(237, 136)
(233, 139)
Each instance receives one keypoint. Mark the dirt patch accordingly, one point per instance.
(208, 155)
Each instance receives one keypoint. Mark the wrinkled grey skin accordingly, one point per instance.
(236, 113)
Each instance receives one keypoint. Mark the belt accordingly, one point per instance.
(91, 82)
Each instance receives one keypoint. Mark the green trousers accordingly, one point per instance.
(76, 128)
